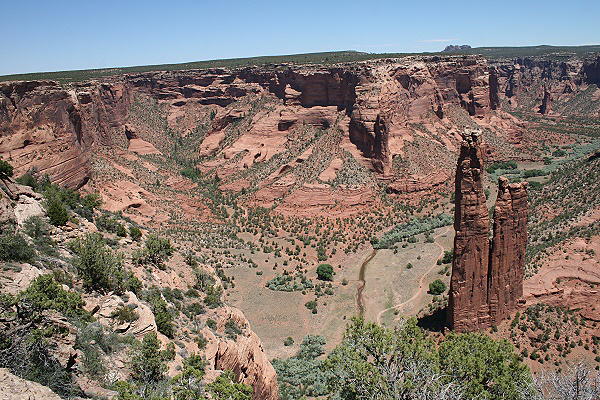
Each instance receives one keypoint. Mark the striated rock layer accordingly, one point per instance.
(487, 276)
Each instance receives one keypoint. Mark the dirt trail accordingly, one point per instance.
(361, 278)
(419, 292)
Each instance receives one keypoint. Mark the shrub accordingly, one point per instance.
(156, 251)
(232, 330)
(14, 247)
(224, 388)
(288, 341)
(44, 293)
(188, 384)
(135, 233)
(125, 313)
(325, 272)
(448, 256)
(162, 315)
(6, 170)
(38, 230)
(147, 361)
(99, 268)
(412, 228)
(437, 287)
(57, 212)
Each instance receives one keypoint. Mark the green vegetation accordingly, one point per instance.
(405, 363)
(162, 314)
(325, 272)
(14, 247)
(504, 165)
(412, 228)
(303, 375)
(99, 268)
(437, 287)
(6, 170)
(288, 282)
(225, 388)
(27, 347)
(157, 250)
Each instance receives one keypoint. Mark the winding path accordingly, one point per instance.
(421, 281)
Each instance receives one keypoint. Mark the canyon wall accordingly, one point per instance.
(487, 276)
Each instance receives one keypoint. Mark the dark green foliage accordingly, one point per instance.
(437, 287)
(28, 179)
(100, 268)
(448, 256)
(232, 330)
(147, 360)
(530, 173)
(14, 247)
(188, 384)
(6, 170)
(57, 212)
(162, 313)
(483, 367)
(288, 341)
(505, 165)
(39, 231)
(288, 282)
(404, 363)
(559, 153)
(213, 296)
(26, 333)
(325, 272)
(110, 224)
(225, 388)
(409, 229)
(135, 233)
(303, 374)
(44, 293)
(156, 251)
(125, 313)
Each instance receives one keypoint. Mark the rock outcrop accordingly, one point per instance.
(468, 308)
(487, 277)
(507, 252)
(14, 388)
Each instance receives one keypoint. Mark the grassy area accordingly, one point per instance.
(324, 58)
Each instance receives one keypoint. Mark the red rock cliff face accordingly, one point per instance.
(487, 278)
(468, 309)
(51, 128)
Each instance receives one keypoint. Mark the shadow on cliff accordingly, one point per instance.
(435, 322)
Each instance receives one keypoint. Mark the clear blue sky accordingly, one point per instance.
(50, 35)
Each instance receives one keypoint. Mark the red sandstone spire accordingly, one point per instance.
(486, 280)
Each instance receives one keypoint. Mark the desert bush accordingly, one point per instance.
(39, 232)
(14, 247)
(225, 388)
(303, 375)
(404, 363)
(412, 228)
(437, 287)
(57, 212)
(156, 251)
(325, 272)
(135, 233)
(163, 316)
(505, 165)
(99, 267)
(6, 170)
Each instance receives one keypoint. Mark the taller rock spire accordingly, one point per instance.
(487, 277)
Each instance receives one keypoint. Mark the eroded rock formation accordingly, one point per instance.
(487, 276)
